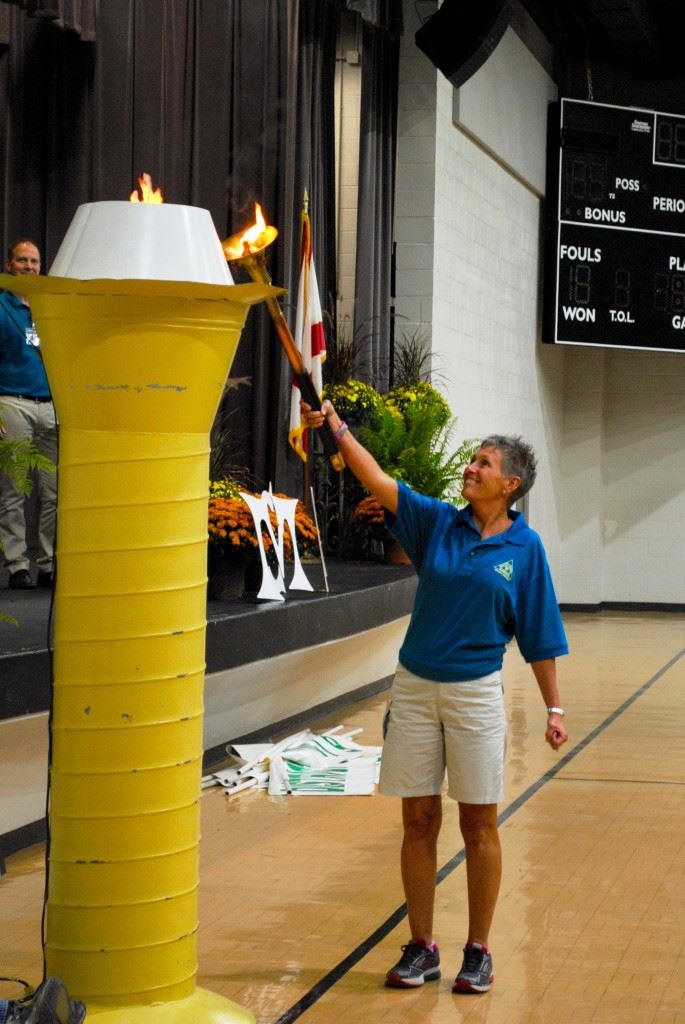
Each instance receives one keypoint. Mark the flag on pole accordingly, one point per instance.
(309, 333)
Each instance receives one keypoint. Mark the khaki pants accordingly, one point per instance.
(26, 419)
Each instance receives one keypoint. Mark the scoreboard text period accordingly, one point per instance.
(615, 265)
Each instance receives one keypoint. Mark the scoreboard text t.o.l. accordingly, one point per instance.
(615, 260)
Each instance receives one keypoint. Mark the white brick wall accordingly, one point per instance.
(479, 225)
(623, 484)
(643, 473)
(608, 426)
(580, 482)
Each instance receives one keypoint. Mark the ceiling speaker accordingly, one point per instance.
(462, 34)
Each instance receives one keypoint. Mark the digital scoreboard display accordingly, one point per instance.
(615, 252)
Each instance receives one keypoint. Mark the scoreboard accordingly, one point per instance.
(615, 231)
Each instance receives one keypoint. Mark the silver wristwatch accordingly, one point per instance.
(556, 711)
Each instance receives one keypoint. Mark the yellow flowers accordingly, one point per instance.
(225, 489)
(355, 400)
(420, 395)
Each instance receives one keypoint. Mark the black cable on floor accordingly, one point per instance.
(48, 786)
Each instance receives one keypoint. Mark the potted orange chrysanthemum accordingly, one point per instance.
(233, 549)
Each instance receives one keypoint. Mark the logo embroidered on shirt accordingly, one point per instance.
(506, 569)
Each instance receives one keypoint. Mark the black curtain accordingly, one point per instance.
(384, 14)
(223, 102)
(375, 211)
(310, 168)
(77, 15)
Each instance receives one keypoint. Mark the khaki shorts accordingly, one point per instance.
(430, 727)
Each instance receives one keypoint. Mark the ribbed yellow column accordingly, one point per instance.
(136, 377)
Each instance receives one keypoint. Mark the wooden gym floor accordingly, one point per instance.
(301, 908)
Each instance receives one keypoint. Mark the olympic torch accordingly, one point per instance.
(248, 249)
(139, 321)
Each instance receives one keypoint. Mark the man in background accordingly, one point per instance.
(26, 413)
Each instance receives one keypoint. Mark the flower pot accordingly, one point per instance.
(395, 554)
(226, 580)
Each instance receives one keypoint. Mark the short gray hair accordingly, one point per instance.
(518, 459)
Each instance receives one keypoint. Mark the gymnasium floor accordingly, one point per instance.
(301, 908)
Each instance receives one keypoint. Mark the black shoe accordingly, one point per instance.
(418, 963)
(21, 580)
(45, 580)
(49, 1004)
(476, 971)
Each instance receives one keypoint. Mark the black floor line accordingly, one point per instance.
(623, 782)
(340, 970)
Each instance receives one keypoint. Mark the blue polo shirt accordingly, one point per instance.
(21, 366)
(473, 595)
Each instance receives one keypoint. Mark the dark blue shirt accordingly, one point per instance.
(21, 367)
(473, 595)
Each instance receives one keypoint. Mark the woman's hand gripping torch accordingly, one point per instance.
(248, 250)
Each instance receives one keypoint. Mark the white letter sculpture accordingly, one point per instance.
(273, 587)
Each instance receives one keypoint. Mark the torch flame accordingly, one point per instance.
(146, 192)
(255, 238)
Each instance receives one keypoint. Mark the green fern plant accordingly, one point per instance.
(18, 460)
(415, 447)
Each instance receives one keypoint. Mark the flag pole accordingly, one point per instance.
(306, 488)
(239, 251)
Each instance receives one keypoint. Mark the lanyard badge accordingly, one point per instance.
(32, 338)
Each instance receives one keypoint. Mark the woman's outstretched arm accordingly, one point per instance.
(357, 458)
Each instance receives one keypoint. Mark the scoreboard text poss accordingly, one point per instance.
(615, 272)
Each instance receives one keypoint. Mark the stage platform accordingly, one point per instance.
(270, 666)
